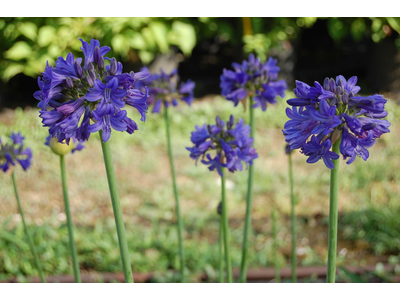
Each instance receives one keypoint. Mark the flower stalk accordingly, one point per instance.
(221, 252)
(119, 222)
(275, 244)
(225, 229)
(249, 200)
(293, 220)
(72, 245)
(177, 206)
(27, 232)
(333, 216)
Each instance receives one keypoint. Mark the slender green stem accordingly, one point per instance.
(225, 227)
(275, 244)
(72, 245)
(27, 232)
(249, 199)
(177, 206)
(293, 215)
(221, 252)
(119, 222)
(333, 217)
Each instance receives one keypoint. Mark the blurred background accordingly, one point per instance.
(307, 48)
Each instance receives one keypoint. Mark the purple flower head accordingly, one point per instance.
(76, 101)
(229, 142)
(253, 78)
(323, 113)
(13, 152)
(162, 89)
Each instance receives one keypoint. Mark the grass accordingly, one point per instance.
(143, 175)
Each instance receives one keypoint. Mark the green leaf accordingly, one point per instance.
(28, 29)
(137, 41)
(159, 31)
(18, 51)
(336, 29)
(46, 35)
(146, 56)
(11, 70)
(357, 29)
(185, 36)
(119, 44)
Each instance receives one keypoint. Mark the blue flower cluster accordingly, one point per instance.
(72, 95)
(15, 151)
(253, 78)
(323, 113)
(162, 89)
(232, 144)
(77, 146)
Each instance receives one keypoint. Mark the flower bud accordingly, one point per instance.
(59, 148)
(96, 55)
(89, 81)
(101, 64)
(69, 82)
(92, 74)
(345, 98)
(90, 67)
(113, 66)
(78, 69)
(326, 83)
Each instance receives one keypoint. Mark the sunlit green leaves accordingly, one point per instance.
(18, 51)
(46, 35)
(184, 36)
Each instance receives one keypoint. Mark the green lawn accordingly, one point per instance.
(143, 174)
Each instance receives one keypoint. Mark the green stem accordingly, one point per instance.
(275, 245)
(177, 207)
(72, 244)
(293, 215)
(249, 199)
(27, 232)
(221, 252)
(119, 222)
(225, 227)
(333, 217)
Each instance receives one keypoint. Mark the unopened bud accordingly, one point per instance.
(78, 69)
(92, 74)
(89, 81)
(96, 55)
(345, 98)
(59, 148)
(113, 66)
(101, 64)
(90, 67)
(69, 82)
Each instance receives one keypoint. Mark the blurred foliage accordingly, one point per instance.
(271, 32)
(380, 226)
(27, 43)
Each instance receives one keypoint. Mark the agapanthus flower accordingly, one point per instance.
(166, 89)
(77, 100)
(253, 78)
(322, 113)
(14, 151)
(230, 143)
